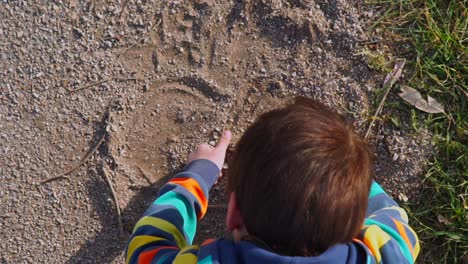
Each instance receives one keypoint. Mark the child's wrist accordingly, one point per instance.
(206, 169)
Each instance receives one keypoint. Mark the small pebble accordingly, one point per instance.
(402, 197)
(181, 118)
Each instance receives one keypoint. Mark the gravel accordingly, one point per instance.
(177, 74)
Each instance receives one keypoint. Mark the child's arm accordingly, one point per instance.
(386, 231)
(167, 228)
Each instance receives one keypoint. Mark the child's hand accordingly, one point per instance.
(214, 154)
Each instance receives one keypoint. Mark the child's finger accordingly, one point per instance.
(224, 141)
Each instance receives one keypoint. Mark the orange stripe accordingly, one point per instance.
(402, 231)
(362, 242)
(374, 250)
(194, 188)
(147, 256)
(208, 241)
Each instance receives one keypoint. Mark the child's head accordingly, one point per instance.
(301, 178)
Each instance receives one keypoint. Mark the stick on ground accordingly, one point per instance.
(389, 81)
(377, 112)
(90, 85)
(104, 81)
(63, 175)
(143, 173)
(222, 206)
(115, 198)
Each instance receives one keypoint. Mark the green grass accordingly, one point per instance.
(438, 33)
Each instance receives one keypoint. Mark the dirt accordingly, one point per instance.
(155, 78)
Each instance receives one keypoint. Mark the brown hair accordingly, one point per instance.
(302, 176)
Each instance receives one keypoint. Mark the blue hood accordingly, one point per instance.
(247, 252)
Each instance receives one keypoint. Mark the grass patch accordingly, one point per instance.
(438, 33)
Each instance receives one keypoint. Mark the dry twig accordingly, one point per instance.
(104, 81)
(89, 85)
(115, 198)
(143, 173)
(377, 112)
(389, 81)
(63, 175)
(223, 206)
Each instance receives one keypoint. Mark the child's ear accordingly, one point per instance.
(233, 219)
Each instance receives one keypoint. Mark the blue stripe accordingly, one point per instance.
(206, 169)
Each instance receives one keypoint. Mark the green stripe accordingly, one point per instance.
(395, 235)
(207, 260)
(185, 209)
(161, 260)
(375, 189)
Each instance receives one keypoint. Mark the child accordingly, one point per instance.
(301, 191)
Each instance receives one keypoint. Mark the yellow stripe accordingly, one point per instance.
(416, 250)
(185, 249)
(184, 257)
(137, 242)
(375, 238)
(164, 226)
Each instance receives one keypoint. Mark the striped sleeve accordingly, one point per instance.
(386, 231)
(165, 232)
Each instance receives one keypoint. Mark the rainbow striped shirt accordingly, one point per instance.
(165, 232)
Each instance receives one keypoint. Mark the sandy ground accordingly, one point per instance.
(145, 81)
